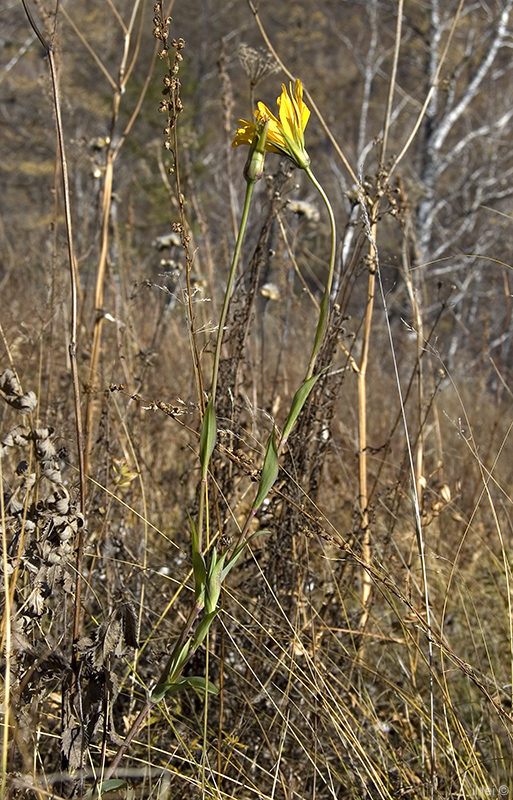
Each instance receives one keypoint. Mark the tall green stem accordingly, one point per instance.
(224, 311)
(253, 171)
(322, 323)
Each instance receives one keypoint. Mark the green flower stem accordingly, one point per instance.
(224, 311)
(322, 323)
(169, 674)
(201, 510)
(270, 467)
(253, 171)
(207, 586)
(220, 331)
(150, 704)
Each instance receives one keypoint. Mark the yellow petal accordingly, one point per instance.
(263, 112)
(303, 109)
(287, 117)
(286, 134)
(245, 133)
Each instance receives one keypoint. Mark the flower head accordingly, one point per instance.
(286, 134)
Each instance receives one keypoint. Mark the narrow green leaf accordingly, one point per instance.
(214, 580)
(237, 552)
(192, 683)
(201, 683)
(107, 786)
(203, 627)
(198, 564)
(298, 402)
(172, 670)
(180, 659)
(200, 576)
(208, 437)
(213, 561)
(164, 689)
(269, 471)
(194, 535)
(160, 691)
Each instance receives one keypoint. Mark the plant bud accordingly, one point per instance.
(254, 167)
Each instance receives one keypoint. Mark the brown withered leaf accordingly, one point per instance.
(113, 636)
(11, 391)
(130, 628)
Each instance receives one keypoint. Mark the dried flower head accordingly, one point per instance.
(257, 64)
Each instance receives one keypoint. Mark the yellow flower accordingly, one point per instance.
(286, 134)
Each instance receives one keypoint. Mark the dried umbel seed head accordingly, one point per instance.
(45, 450)
(270, 291)
(225, 541)
(42, 433)
(307, 211)
(257, 64)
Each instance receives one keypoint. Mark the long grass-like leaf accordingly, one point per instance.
(298, 402)
(237, 553)
(194, 682)
(269, 471)
(198, 564)
(203, 627)
(161, 689)
(208, 437)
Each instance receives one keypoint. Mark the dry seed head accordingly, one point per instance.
(257, 64)
(270, 291)
(302, 208)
